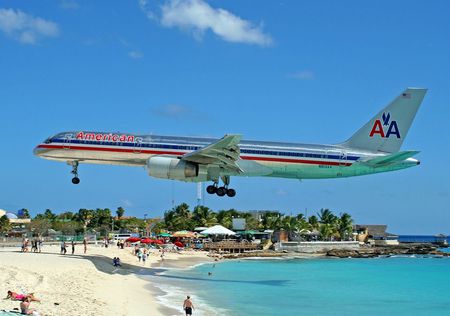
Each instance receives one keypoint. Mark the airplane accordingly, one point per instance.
(374, 148)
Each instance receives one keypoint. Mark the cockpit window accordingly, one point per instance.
(48, 140)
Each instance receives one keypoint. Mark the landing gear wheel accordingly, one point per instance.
(231, 192)
(211, 189)
(75, 180)
(221, 191)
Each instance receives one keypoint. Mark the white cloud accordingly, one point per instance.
(126, 203)
(281, 192)
(135, 54)
(24, 27)
(69, 5)
(303, 75)
(172, 111)
(198, 16)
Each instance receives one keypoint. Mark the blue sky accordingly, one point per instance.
(296, 71)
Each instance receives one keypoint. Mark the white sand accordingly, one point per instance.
(84, 284)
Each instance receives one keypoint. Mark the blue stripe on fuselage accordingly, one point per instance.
(195, 147)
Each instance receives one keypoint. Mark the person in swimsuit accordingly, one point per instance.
(188, 306)
(18, 297)
(25, 307)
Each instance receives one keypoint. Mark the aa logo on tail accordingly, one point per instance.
(380, 126)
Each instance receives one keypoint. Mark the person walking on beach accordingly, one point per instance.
(85, 244)
(62, 246)
(40, 244)
(73, 247)
(188, 306)
(144, 257)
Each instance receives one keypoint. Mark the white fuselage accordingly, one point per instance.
(257, 158)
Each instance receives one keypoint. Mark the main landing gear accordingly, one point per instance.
(75, 179)
(221, 191)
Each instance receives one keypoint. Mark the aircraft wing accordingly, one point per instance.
(223, 153)
(392, 158)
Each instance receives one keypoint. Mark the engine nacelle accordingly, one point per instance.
(172, 168)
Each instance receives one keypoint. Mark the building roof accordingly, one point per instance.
(372, 230)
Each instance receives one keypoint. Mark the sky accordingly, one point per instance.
(296, 71)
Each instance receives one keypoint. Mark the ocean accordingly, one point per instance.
(413, 285)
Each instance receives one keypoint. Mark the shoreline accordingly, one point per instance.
(88, 284)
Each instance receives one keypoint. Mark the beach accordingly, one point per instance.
(88, 284)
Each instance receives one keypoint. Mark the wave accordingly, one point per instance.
(173, 297)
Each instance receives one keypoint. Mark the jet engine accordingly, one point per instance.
(172, 168)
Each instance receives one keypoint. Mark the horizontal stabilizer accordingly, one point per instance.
(386, 160)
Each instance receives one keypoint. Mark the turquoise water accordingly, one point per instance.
(382, 286)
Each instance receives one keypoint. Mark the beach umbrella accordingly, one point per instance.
(159, 242)
(164, 235)
(218, 230)
(146, 241)
(183, 234)
(178, 244)
(133, 239)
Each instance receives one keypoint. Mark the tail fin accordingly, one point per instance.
(387, 130)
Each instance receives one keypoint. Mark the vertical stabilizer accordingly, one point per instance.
(387, 130)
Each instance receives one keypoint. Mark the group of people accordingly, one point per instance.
(36, 245)
(25, 302)
(116, 262)
(141, 254)
(72, 243)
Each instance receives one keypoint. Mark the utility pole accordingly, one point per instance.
(199, 193)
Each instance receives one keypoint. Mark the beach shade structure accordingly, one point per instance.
(218, 230)
(164, 235)
(199, 229)
(157, 241)
(178, 244)
(184, 234)
(146, 241)
(133, 239)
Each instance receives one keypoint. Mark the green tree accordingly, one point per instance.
(204, 216)
(225, 217)
(84, 216)
(120, 211)
(251, 222)
(345, 226)
(327, 217)
(271, 220)
(313, 222)
(326, 231)
(5, 225)
(40, 226)
(24, 213)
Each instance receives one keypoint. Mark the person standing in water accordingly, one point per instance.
(188, 306)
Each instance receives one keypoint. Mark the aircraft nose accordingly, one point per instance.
(37, 151)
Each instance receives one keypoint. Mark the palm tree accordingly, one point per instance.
(326, 231)
(225, 218)
(203, 216)
(326, 216)
(313, 222)
(5, 225)
(120, 211)
(345, 226)
(271, 220)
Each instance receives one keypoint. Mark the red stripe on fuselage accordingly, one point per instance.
(161, 152)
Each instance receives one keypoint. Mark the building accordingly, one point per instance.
(374, 234)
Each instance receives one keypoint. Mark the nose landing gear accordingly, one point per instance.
(75, 179)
